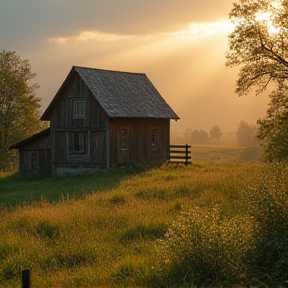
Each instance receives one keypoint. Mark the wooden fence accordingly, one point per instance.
(180, 154)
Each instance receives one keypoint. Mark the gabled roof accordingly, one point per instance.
(121, 94)
(31, 138)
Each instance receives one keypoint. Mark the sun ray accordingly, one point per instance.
(268, 17)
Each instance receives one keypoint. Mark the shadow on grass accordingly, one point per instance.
(19, 189)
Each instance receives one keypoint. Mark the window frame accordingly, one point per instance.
(80, 145)
(76, 114)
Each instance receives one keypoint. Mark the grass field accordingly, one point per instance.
(225, 151)
(216, 153)
(121, 229)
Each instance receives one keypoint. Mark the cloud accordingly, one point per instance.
(89, 36)
(33, 21)
(194, 31)
(204, 29)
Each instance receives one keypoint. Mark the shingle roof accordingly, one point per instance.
(123, 94)
(30, 139)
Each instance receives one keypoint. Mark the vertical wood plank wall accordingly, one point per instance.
(103, 136)
(139, 148)
(95, 124)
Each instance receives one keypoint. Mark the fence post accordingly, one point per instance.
(26, 278)
(186, 154)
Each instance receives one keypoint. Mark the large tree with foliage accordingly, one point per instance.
(273, 131)
(19, 107)
(259, 45)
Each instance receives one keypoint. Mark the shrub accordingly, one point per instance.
(204, 246)
(268, 204)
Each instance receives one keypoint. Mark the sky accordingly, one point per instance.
(180, 45)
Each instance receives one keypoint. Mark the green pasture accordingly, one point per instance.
(168, 226)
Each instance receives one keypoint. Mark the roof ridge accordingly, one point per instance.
(108, 70)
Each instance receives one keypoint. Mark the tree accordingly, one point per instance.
(246, 134)
(19, 107)
(259, 45)
(200, 136)
(215, 132)
(273, 129)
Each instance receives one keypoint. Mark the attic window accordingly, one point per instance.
(78, 109)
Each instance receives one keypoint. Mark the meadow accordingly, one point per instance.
(167, 226)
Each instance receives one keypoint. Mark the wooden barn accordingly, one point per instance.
(99, 120)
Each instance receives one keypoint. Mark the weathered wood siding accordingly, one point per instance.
(98, 151)
(139, 148)
(35, 161)
(93, 126)
(62, 116)
(35, 157)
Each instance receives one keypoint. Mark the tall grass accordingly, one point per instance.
(125, 229)
(268, 205)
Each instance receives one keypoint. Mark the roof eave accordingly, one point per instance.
(34, 136)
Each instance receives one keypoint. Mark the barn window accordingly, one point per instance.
(153, 137)
(124, 134)
(78, 109)
(78, 142)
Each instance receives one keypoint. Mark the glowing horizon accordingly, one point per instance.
(194, 31)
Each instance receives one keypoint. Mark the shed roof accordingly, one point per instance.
(121, 94)
(19, 144)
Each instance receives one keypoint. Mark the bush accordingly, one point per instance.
(204, 246)
(268, 205)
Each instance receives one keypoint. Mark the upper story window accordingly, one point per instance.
(78, 109)
(154, 137)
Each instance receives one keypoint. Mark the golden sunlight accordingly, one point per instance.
(194, 31)
(267, 17)
(201, 30)
(86, 36)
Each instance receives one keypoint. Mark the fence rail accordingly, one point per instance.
(180, 154)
